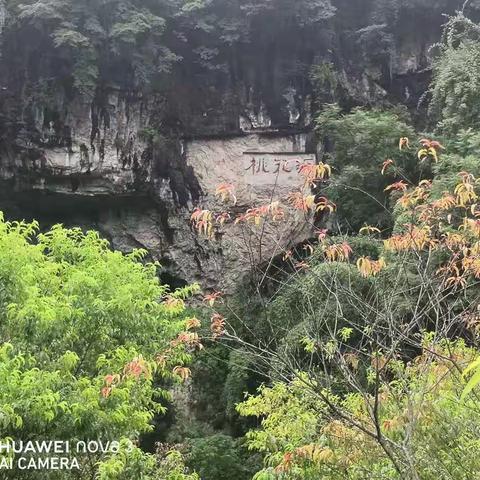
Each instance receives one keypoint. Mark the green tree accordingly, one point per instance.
(420, 409)
(350, 326)
(456, 78)
(100, 43)
(357, 145)
(87, 336)
(219, 457)
(133, 43)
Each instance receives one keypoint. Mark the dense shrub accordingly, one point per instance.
(81, 327)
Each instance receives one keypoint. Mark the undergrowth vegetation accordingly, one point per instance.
(366, 359)
(353, 355)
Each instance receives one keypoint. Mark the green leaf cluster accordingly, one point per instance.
(357, 144)
(74, 313)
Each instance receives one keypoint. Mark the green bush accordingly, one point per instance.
(455, 88)
(359, 142)
(80, 328)
(219, 457)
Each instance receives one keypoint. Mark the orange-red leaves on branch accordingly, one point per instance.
(457, 279)
(226, 192)
(454, 241)
(217, 325)
(211, 298)
(431, 144)
(106, 392)
(425, 153)
(255, 215)
(404, 142)
(386, 164)
(189, 339)
(323, 204)
(429, 150)
(192, 323)
(202, 221)
(400, 186)
(368, 267)
(465, 191)
(112, 379)
(415, 239)
(136, 368)
(315, 173)
(321, 234)
(314, 453)
(276, 211)
(471, 264)
(183, 372)
(286, 463)
(418, 195)
(338, 252)
(309, 202)
(173, 303)
(301, 202)
(162, 358)
(446, 202)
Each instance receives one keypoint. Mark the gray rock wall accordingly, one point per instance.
(134, 164)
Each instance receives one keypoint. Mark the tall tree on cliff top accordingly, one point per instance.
(132, 44)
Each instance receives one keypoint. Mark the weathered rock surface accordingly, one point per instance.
(134, 165)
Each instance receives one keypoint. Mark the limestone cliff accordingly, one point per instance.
(133, 161)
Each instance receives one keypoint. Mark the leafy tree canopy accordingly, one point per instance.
(87, 334)
(357, 143)
(130, 43)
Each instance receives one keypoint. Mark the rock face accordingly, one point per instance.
(260, 166)
(92, 151)
(111, 184)
(263, 168)
(134, 164)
